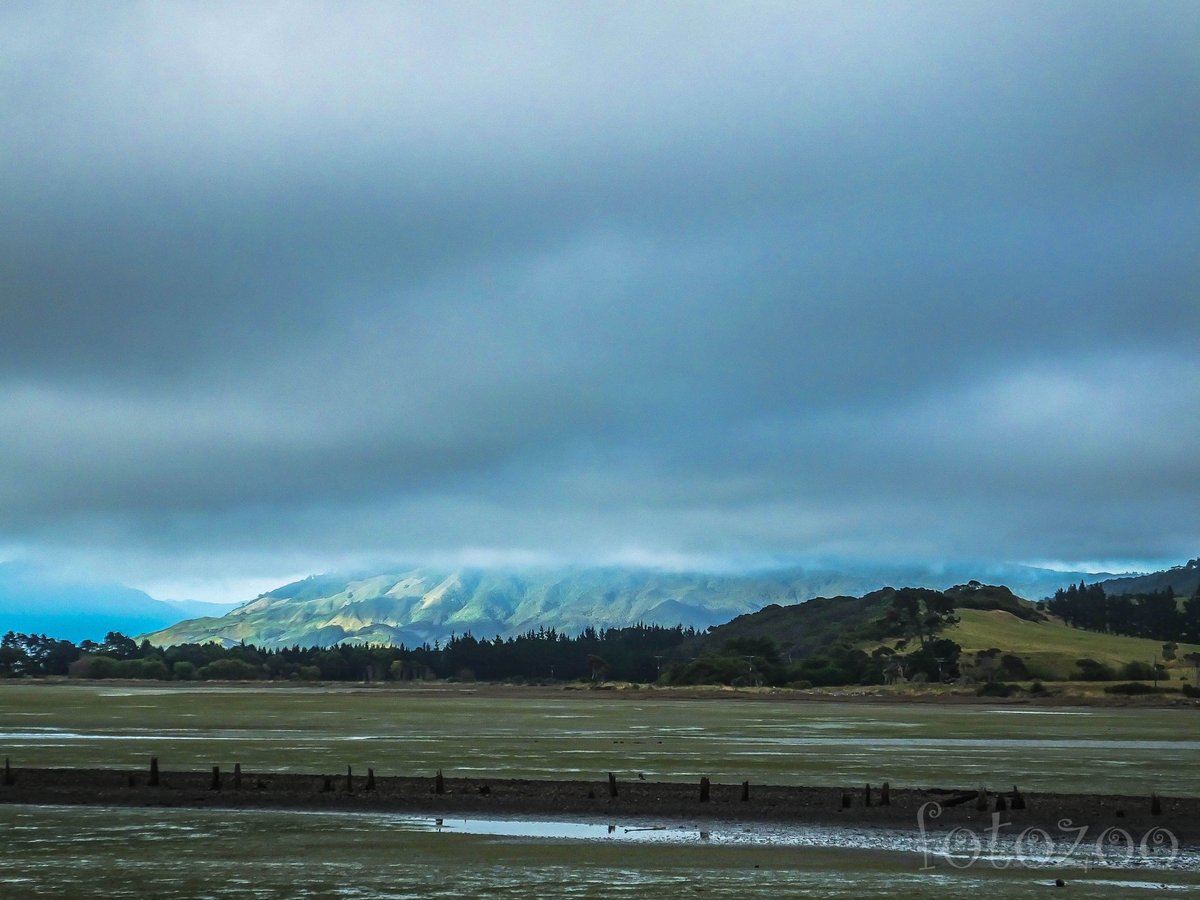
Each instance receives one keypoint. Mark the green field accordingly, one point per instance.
(1051, 648)
(518, 733)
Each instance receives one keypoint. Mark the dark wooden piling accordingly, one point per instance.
(867, 794)
(370, 780)
(981, 802)
(745, 791)
(439, 783)
(237, 776)
(1018, 799)
(1155, 805)
(1001, 806)
(612, 785)
(846, 800)
(216, 779)
(153, 771)
(704, 788)
(349, 780)
(9, 780)
(885, 795)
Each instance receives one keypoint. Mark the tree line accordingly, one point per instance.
(626, 654)
(1158, 615)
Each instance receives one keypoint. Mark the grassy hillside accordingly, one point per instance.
(811, 628)
(989, 618)
(1051, 648)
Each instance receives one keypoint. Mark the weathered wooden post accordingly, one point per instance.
(9, 781)
(981, 802)
(1001, 806)
(370, 779)
(237, 776)
(745, 791)
(153, 771)
(1018, 799)
(349, 781)
(704, 787)
(216, 779)
(885, 795)
(845, 800)
(439, 783)
(867, 795)
(612, 785)
(1155, 805)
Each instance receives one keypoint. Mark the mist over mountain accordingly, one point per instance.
(420, 605)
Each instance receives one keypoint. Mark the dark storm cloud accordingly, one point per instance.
(701, 280)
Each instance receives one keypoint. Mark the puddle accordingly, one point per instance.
(1001, 851)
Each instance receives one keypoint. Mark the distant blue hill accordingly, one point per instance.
(36, 601)
(1183, 580)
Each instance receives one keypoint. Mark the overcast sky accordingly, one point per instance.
(292, 287)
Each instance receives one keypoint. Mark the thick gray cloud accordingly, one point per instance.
(285, 286)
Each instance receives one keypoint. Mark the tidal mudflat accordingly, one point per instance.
(73, 851)
(186, 852)
(567, 735)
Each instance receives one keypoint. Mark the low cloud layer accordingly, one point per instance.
(286, 288)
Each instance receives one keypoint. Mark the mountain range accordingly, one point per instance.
(412, 606)
(425, 605)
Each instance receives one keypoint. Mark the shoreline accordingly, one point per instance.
(908, 808)
(1064, 695)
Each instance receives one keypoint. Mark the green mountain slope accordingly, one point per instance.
(424, 605)
(421, 605)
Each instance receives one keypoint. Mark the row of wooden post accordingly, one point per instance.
(369, 786)
(439, 787)
(705, 788)
(885, 796)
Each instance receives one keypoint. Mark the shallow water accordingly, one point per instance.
(61, 851)
(1131, 751)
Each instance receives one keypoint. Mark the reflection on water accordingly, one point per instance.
(1003, 849)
